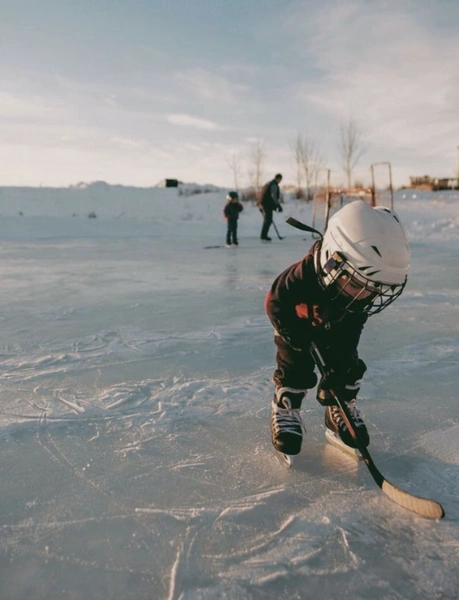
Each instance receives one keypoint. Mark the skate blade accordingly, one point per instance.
(336, 441)
(285, 459)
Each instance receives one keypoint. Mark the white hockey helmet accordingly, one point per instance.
(364, 258)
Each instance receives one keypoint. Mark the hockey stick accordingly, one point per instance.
(277, 231)
(299, 225)
(429, 509)
(272, 222)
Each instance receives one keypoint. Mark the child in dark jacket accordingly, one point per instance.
(357, 269)
(231, 211)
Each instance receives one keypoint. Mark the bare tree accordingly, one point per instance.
(257, 155)
(298, 155)
(234, 162)
(352, 146)
(308, 160)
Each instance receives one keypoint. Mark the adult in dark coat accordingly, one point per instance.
(269, 202)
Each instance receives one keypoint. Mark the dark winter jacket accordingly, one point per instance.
(232, 210)
(300, 311)
(270, 196)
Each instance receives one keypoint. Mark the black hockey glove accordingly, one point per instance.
(343, 380)
(279, 208)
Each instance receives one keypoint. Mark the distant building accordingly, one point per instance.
(168, 183)
(424, 182)
(434, 184)
(171, 182)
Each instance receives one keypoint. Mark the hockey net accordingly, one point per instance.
(329, 198)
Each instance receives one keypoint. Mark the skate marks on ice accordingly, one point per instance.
(171, 485)
(48, 377)
(67, 356)
(145, 493)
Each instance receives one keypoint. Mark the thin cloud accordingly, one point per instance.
(190, 121)
(17, 106)
(210, 87)
(387, 66)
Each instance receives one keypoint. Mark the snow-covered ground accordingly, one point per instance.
(135, 394)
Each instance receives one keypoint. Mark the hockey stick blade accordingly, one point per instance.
(277, 231)
(299, 225)
(430, 509)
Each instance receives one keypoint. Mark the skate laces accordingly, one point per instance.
(288, 419)
(354, 411)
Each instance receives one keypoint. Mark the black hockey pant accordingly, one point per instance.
(295, 369)
(231, 234)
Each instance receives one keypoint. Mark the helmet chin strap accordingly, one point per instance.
(317, 266)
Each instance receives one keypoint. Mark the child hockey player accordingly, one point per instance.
(231, 211)
(358, 268)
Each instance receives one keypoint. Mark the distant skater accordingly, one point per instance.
(231, 211)
(268, 202)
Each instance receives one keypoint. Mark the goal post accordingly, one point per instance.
(321, 200)
(328, 199)
(382, 190)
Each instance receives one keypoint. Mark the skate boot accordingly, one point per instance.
(286, 424)
(334, 421)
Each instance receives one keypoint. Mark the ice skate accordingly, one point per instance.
(334, 439)
(334, 422)
(286, 423)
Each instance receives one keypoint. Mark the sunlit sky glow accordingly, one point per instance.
(135, 91)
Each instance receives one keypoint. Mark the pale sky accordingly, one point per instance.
(133, 91)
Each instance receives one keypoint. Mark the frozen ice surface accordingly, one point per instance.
(136, 367)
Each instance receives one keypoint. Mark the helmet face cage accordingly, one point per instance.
(352, 290)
